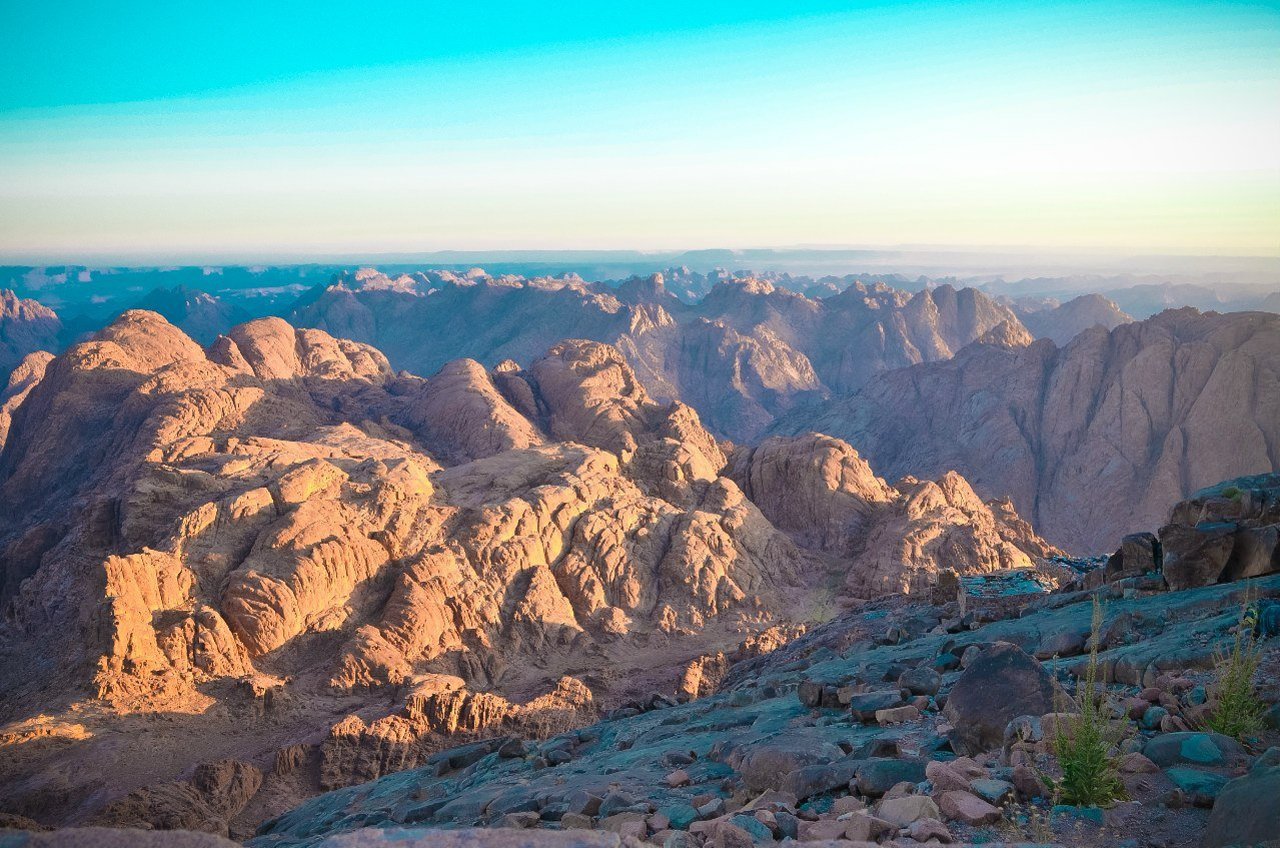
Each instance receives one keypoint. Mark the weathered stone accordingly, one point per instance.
(921, 680)
(815, 780)
(1201, 787)
(991, 790)
(1196, 555)
(923, 830)
(1171, 749)
(679, 816)
(1001, 684)
(864, 705)
(968, 808)
(1246, 811)
(901, 812)
(897, 715)
(876, 777)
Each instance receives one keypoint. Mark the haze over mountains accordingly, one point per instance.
(746, 350)
(439, 505)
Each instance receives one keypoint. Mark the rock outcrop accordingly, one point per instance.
(26, 326)
(280, 534)
(1089, 440)
(743, 354)
(1062, 322)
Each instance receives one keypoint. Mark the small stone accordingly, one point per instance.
(757, 831)
(712, 808)
(679, 816)
(967, 808)
(991, 790)
(920, 681)
(729, 835)
(1152, 717)
(822, 830)
(847, 804)
(584, 803)
(520, 820)
(678, 778)
(945, 776)
(901, 812)
(576, 821)
(1137, 764)
(922, 830)
(897, 715)
(1201, 787)
(877, 777)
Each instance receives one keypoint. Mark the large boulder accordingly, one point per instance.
(1197, 555)
(1002, 684)
(1139, 553)
(1246, 811)
(1192, 748)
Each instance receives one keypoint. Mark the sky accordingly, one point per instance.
(289, 128)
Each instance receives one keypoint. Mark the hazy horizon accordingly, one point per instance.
(321, 130)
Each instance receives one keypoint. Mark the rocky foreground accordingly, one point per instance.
(901, 724)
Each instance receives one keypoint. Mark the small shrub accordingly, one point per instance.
(1085, 742)
(1237, 710)
(1232, 492)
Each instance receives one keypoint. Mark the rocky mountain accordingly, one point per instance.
(1090, 439)
(903, 722)
(278, 559)
(197, 313)
(26, 326)
(1047, 318)
(745, 353)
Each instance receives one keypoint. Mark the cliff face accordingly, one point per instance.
(280, 523)
(26, 326)
(1062, 322)
(745, 353)
(1088, 440)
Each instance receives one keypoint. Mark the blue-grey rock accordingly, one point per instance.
(1245, 811)
(1194, 748)
(876, 777)
(1200, 786)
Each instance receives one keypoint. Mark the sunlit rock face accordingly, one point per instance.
(1089, 440)
(745, 353)
(26, 326)
(279, 523)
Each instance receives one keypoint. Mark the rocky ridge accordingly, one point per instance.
(741, 355)
(26, 326)
(322, 568)
(1088, 440)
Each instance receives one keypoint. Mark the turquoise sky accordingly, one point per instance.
(225, 129)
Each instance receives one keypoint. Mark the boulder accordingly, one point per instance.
(1245, 811)
(1196, 555)
(1139, 554)
(1001, 684)
(1197, 749)
(967, 808)
(903, 811)
(920, 681)
(876, 777)
(865, 705)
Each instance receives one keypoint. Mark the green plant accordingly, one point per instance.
(1237, 711)
(1232, 492)
(1085, 741)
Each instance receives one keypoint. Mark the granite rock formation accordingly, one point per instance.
(741, 355)
(26, 326)
(1089, 440)
(324, 569)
